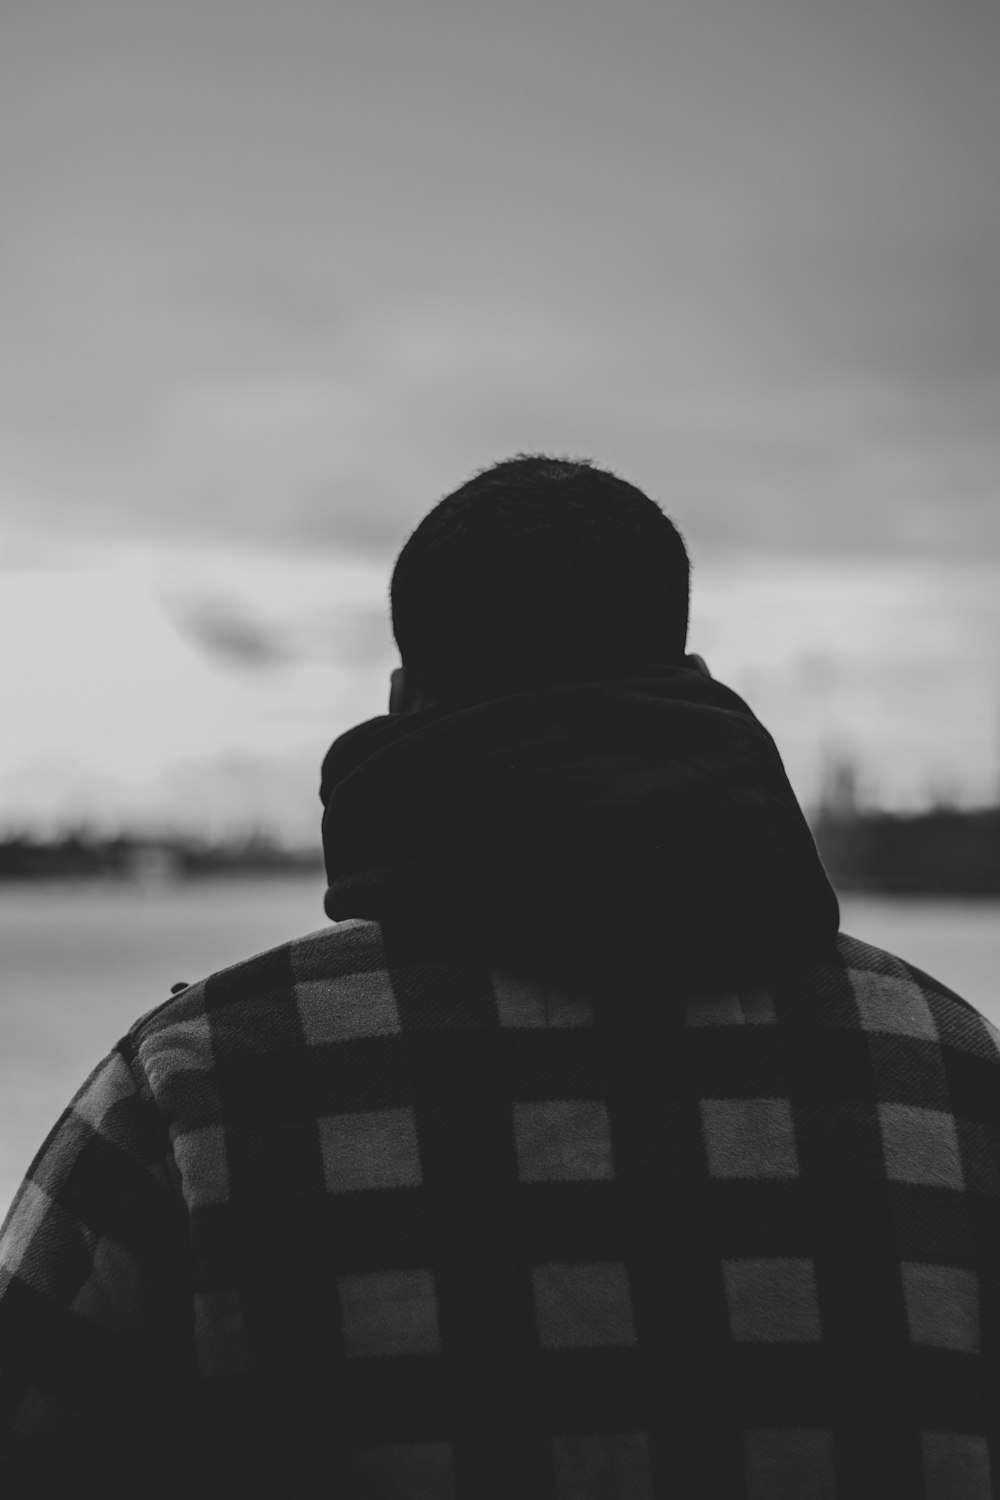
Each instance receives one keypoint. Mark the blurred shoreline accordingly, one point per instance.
(150, 859)
(939, 851)
(943, 851)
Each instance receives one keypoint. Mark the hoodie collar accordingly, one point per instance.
(635, 831)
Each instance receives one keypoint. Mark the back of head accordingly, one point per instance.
(539, 565)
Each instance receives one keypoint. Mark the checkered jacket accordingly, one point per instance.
(342, 1221)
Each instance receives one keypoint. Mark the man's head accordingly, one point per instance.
(536, 564)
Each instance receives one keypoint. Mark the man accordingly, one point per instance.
(580, 1156)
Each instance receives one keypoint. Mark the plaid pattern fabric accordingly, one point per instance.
(342, 1221)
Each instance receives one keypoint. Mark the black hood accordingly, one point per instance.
(627, 832)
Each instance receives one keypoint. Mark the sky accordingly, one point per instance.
(277, 277)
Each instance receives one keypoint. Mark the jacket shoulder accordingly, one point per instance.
(887, 993)
(343, 956)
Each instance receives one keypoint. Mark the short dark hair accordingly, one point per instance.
(535, 565)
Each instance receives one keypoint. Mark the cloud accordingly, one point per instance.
(891, 661)
(227, 632)
(282, 613)
(316, 632)
(744, 252)
(274, 427)
(229, 794)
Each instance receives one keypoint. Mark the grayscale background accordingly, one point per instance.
(275, 277)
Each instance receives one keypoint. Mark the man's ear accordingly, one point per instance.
(697, 663)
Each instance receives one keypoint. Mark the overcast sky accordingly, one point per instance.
(277, 276)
